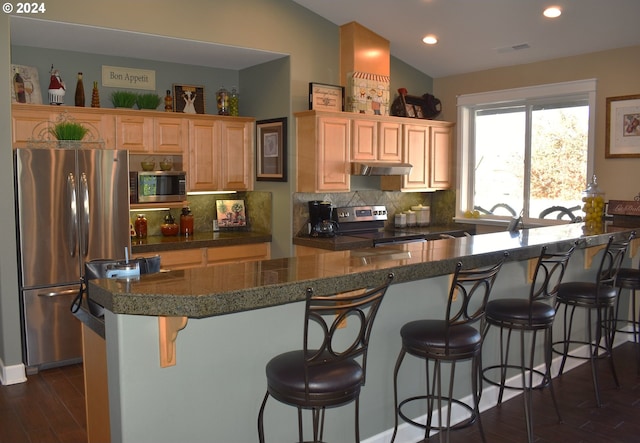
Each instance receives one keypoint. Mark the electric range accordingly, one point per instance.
(368, 222)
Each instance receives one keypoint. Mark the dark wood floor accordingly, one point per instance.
(618, 421)
(49, 407)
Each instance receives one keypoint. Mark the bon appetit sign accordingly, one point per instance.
(129, 78)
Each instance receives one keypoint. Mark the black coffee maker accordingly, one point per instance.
(321, 219)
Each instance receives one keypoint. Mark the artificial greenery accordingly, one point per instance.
(123, 99)
(148, 101)
(68, 131)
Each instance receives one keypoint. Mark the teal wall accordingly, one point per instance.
(69, 63)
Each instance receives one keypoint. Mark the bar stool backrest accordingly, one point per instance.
(469, 294)
(612, 258)
(345, 322)
(548, 275)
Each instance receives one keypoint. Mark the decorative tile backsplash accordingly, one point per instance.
(203, 208)
(442, 204)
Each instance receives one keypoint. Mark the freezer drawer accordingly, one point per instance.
(52, 335)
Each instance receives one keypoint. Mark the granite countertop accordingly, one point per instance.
(345, 242)
(159, 243)
(229, 288)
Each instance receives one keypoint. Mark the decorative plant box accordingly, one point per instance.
(624, 212)
(367, 93)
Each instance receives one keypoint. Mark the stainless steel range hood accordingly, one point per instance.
(378, 168)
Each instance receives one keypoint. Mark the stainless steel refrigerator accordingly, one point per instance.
(72, 207)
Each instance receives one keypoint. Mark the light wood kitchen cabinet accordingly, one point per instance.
(376, 141)
(217, 151)
(323, 141)
(197, 257)
(204, 152)
(26, 119)
(426, 146)
(32, 122)
(238, 253)
(236, 154)
(134, 133)
(151, 135)
(221, 154)
(170, 135)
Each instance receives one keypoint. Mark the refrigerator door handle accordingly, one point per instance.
(72, 239)
(84, 194)
(58, 293)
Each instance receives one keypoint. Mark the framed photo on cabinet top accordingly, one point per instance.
(623, 127)
(271, 150)
(188, 99)
(326, 97)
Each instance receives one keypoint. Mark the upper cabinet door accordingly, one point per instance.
(204, 156)
(170, 135)
(390, 142)
(441, 155)
(323, 141)
(416, 152)
(237, 154)
(365, 140)
(333, 143)
(134, 133)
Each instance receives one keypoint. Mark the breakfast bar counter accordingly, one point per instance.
(230, 288)
(191, 345)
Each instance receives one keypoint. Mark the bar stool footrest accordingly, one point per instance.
(603, 354)
(543, 384)
(463, 424)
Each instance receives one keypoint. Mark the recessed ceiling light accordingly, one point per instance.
(430, 40)
(552, 12)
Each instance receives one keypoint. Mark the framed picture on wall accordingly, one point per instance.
(271, 150)
(623, 127)
(188, 99)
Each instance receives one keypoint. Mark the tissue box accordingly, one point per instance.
(367, 93)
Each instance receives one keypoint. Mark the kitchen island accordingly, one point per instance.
(229, 320)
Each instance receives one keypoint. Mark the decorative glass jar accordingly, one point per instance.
(593, 208)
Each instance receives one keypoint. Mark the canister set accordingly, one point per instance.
(416, 216)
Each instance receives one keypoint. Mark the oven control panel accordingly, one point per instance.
(361, 213)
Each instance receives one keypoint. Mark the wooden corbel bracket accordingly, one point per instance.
(168, 328)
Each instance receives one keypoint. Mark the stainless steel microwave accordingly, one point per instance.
(157, 186)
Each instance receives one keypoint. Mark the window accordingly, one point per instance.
(525, 151)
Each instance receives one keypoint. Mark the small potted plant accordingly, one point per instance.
(123, 99)
(148, 101)
(68, 131)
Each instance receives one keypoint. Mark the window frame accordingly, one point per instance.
(467, 104)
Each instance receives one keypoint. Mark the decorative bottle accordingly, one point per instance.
(168, 102)
(141, 226)
(234, 102)
(18, 86)
(222, 98)
(186, 222)
(95, 96)
(593, 199)
(80, 91)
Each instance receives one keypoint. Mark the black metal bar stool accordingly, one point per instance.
(528, 315)
(326, 372)
(629, 278)
(599, 297)
(448, 341)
